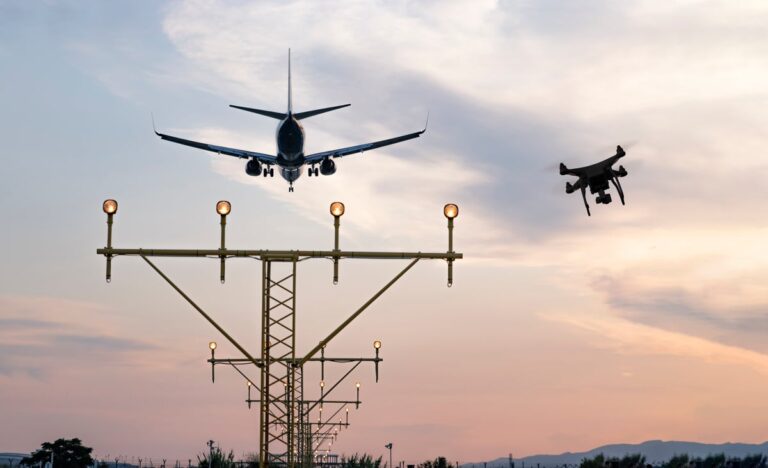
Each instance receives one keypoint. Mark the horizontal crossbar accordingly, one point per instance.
(278, 254)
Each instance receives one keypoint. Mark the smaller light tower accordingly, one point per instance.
(110, 208)
(223, 208)
(450, 211)
(212, 346)
(337, 210)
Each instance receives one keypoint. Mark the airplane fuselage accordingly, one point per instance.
(290, 148)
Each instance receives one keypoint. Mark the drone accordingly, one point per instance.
(596, 177)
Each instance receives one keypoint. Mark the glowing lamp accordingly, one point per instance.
(451, 210)
(109, 206)
(377, 344)
(223, 207)
(337, 209)
(212, 345)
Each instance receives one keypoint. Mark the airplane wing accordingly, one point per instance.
(238, 153)
(341, 152)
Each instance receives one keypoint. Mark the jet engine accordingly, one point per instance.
(253, 168)
(327, 167)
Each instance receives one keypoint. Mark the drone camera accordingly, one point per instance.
(604, 199)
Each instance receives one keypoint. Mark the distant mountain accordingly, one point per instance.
(654, 451)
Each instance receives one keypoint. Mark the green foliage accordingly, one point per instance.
(360, 461)
(439, 462)
(628, 461)
(678, 461)
(597, 462)
(67, 453)
(214, 458)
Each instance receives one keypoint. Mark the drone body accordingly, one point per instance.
(597, 177)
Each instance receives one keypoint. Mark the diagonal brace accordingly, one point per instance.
(359, 311)
(202, 312)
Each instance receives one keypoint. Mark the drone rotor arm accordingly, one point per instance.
(584, 196)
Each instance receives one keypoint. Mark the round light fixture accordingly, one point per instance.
(451, 210)
(377, 344)
(109, 206)
(337, 208)
(212, 345)
(223, 207)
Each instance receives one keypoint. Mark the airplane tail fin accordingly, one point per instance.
(304, 115)
(290, 103)
(274, 115)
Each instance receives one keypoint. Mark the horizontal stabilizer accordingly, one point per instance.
(304, 115)
(274, 115)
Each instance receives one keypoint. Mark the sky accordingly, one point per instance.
(561, 332)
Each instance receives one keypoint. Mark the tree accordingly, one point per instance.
(215, 458)
(67, 453)
(360, 461)
(439, 462)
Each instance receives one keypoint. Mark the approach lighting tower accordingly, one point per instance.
(287, 436)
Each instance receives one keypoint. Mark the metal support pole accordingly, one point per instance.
(223, 246)
(450, 251)
(336, 223)
(109, 246)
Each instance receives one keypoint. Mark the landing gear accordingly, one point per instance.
(290, 187)
(271, 172)
(313, 171)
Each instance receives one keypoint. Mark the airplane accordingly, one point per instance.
(290, 158)
(596, 177)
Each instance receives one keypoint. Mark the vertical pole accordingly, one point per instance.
(292, 435)
(109, 246)
(223, 230)
(450, 250)
(336, 224)
(264, 407)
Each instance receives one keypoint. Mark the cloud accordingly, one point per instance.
(631, 338)
(35, 345)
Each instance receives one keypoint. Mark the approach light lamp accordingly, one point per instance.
(322, 384)
(212, 347)
(109, 206)
(451, 210)
(377, 347)
(357, 400)
(223, 207)
(337, 210)
(249, 394)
